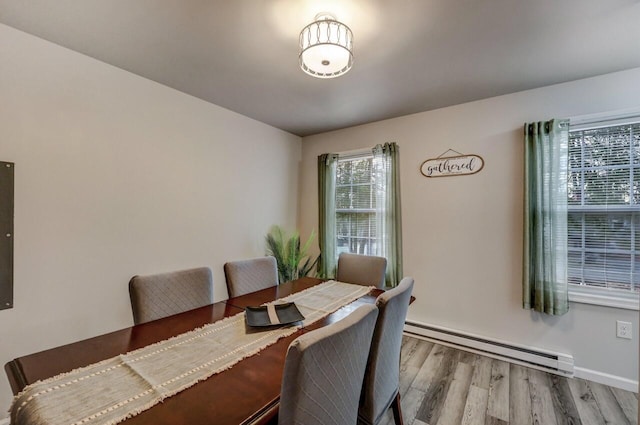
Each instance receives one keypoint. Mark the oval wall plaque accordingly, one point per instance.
(460, 165)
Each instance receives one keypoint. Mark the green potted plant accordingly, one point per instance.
(290, 253)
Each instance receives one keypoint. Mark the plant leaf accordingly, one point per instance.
(289, 253)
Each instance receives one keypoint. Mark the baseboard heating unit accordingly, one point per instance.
(558, 363)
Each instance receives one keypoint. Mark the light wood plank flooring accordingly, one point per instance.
(444, 386)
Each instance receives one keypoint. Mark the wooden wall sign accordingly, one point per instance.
(452, 165)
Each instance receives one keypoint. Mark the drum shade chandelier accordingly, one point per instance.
(326, 47)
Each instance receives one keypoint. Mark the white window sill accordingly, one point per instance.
(604, 297)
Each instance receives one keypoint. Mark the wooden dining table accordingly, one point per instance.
(247, 393)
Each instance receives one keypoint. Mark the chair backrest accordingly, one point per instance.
(161, 295)
(323, 372)
(362, 269)
(250, 275)
(382, 377)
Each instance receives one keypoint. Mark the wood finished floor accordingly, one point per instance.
(444, 386)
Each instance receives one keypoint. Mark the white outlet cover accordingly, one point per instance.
(623, 329)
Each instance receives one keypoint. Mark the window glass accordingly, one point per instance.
(355, 206)
(604, 207)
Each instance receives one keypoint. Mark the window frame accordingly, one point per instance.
(585, 294)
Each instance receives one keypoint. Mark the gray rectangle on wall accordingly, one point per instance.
(6, 234)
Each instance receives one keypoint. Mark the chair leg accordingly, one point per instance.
(397, 410)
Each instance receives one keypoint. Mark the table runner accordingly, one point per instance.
(115, 389)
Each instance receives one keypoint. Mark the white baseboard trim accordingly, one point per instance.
(606, 379)
(558, 363)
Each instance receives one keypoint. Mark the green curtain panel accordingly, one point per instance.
(386, 168)
(327, 166)
(545, 217)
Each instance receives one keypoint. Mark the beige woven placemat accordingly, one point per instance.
(108, 392)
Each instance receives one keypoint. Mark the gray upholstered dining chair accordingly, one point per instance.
(380, 389)
(250, 275)
(165, 294)
(323, 373)
(362, 269)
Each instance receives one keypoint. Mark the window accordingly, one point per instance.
(359, 208)
(356, 206)
(604, 210)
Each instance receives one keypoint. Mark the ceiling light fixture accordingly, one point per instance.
(326, 47)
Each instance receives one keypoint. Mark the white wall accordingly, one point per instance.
(463, 235)
(116, 176)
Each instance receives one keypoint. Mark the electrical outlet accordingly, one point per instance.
(623, 329)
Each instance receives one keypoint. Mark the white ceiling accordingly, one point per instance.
(410, 56)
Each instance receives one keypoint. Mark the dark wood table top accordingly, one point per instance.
(246, 393)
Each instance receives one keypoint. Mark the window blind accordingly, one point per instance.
(604, 207)
(355, 206)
